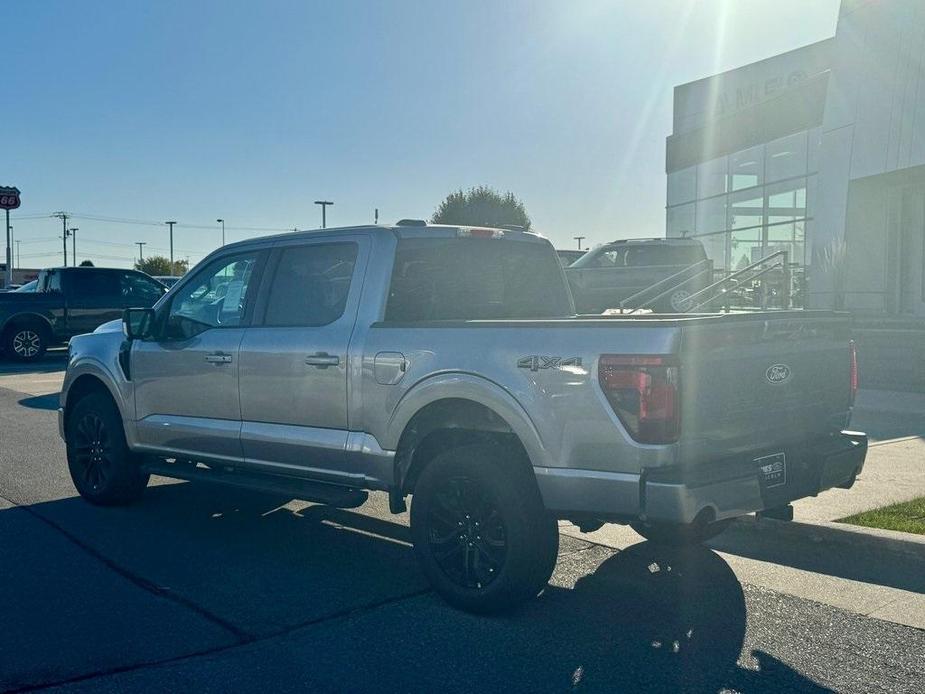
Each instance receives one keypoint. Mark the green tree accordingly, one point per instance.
(159, 265)
(481, 206)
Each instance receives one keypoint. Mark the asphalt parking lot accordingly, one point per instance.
(207, 589)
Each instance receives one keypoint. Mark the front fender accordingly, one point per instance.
(467, 386)
(98, 356)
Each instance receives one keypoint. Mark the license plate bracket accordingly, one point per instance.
(772, 470)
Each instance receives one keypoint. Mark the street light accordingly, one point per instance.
(222, 221)
(74, 231)
(170, 224)
(324, 208)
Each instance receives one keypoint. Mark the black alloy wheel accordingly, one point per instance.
(466, 533)
(93, 451)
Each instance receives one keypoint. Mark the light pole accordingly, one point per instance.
(579, 239)
(324, 208)
(12, 241)
(141, 247)
(74, 231)
(170, 224)
(223, 229)
(17, 255)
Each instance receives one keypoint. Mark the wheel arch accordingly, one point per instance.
(22, 319)
(83, 385)
(455, 410)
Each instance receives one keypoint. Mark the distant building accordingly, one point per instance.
(20, 275)
(819, 151)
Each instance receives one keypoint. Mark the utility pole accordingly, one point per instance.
(223, 229)
(141, 247)
(171, 244)
(63, 216)
(579, 239)
(74, 231)
(324, 208)
(12, 237)
(376, 216)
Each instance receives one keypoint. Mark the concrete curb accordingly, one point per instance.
(857, 537)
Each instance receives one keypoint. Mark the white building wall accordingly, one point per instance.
(874, 124)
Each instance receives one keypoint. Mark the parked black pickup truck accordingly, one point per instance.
(67, 302)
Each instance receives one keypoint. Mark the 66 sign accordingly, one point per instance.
(9, 198)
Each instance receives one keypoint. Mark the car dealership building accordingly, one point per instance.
(819, 152)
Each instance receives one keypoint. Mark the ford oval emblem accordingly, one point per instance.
(779, 373)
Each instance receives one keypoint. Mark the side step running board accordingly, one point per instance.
(293, 487)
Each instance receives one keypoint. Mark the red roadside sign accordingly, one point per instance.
(9, 198)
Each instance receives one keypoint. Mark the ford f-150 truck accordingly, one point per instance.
(69, 301)
(446, 364)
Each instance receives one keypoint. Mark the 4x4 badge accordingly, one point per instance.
(536, 362)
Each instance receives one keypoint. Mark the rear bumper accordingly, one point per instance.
(727, 488)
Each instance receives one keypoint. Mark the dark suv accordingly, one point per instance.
(69, 301)
(615, 271)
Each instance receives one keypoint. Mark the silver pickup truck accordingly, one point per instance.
(447, 363)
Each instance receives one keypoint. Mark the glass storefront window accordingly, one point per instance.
(746, 209)
(786, 201)
(682, 185)
(787, 157)
(711, 178)
(744, 248)
(746, 168)
(715, 246)
(711, 215)
(681, 220)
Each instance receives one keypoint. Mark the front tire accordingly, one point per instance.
(480, 530)
(102, 468)
(25, 342)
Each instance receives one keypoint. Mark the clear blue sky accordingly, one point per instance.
(194, 110)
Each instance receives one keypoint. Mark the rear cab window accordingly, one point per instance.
(476, 279)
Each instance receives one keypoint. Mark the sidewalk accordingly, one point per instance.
(895, 467)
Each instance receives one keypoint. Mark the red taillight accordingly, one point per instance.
(643, 392)
(852, 349)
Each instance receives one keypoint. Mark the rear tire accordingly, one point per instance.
(102, 467)
(680, 535)
(480, 531)
(25, 342)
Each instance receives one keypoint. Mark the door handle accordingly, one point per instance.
(218, 358)
(322, 360)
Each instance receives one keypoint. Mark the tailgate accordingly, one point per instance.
(761, 382)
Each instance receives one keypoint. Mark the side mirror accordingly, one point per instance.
(138, 323)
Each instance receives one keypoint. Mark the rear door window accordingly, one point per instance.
(310, 285)
(94, 284)
(473, 279)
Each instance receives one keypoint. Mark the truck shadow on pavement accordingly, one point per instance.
(334, 599)
(41, 402)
